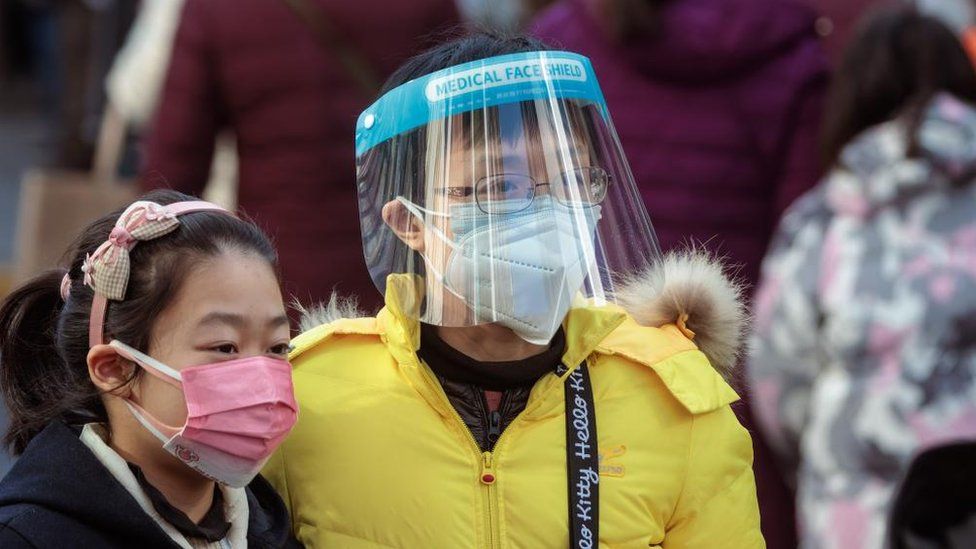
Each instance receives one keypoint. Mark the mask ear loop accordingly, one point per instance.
(419, 212)
(159, 429)
(156, 368)
(150, 364)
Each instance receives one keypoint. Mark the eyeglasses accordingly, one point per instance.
(512, 192)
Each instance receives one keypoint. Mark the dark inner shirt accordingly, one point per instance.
(449, 363)
(212, 527)
(465, 382)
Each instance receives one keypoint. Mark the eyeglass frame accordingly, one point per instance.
(448, 191)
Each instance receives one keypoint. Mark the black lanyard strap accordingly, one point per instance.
(582, 461)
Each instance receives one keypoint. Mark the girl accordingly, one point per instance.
(185, 292)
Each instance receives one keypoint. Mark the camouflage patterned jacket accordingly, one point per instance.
(864, 349)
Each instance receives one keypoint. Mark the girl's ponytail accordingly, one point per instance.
(32, 371)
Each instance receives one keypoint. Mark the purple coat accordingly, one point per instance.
(252, 66)
(718, 114)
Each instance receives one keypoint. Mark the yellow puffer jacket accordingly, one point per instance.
(379, 458)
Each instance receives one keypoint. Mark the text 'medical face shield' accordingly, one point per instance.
(497, 191)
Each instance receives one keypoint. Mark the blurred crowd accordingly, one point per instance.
(826, 149)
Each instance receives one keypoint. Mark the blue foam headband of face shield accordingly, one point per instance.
(477, 85)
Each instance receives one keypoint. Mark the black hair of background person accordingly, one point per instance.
(937, 495)
(896, 62)
(44, 340)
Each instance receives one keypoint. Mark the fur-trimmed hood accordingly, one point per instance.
(690, 286)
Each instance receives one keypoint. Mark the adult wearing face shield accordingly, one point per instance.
(540, 376)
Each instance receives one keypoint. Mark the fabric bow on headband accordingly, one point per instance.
(107, 268)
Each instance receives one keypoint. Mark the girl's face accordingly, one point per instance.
(229, 307)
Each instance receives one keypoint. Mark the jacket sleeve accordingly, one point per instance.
(783, 360)
(181, 142)
(718, 506)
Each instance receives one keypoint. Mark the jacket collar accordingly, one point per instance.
(689, 289)
(398, 326)
(643, 330)
(585, 327)
(59, 473)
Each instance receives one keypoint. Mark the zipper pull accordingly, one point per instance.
(487, 473)
(494, 427)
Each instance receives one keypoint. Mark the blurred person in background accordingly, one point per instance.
(837, 19)
(863, 352)
(958, 15)
(66, 48)
(718, 105)
(136, 78)
(76, 48)
(288, 78)
(135, 83)
(53, 56)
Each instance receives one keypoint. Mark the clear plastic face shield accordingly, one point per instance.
(497, 192)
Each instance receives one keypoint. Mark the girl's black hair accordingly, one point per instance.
(44, 339)
(898, 60)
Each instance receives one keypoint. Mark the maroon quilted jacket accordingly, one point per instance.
(254, 67)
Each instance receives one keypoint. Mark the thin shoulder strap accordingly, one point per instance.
(356, 65)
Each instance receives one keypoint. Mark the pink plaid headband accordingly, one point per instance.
(107, 268)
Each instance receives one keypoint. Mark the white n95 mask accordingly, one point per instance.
(520, 270)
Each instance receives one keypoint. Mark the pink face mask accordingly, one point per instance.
(238, 412)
